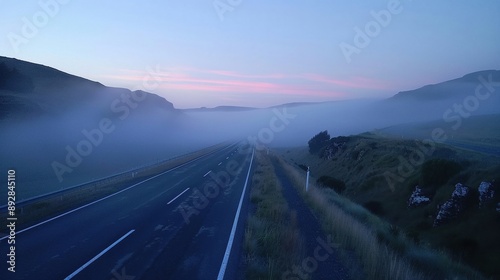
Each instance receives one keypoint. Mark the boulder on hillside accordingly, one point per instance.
(417, 198)
(486, 193)
(453, 206)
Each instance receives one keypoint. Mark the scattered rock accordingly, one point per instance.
(329, 152)
(417, 198)
(486, 193)
(335, 146)
(453, 206)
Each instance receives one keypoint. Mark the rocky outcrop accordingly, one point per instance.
(329, 152)
(486, 193)
(335, 145)
(453, 206)
(417, 198)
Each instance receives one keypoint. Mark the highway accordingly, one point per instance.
(184, 223)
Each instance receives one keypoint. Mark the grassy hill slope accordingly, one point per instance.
(381, 173)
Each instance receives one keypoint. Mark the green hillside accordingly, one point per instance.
(381, 174)
(483, 130)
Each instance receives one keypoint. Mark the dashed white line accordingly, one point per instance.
(99, 200)
(177, 196)
(227, 157)
(207, 173)
(98, 256)
(160, 194)
(220, 163)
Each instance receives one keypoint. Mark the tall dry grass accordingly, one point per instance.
(272, 238)
(384, 253)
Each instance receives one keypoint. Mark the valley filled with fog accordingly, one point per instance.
(68, 130)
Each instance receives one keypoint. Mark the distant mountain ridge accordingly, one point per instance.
(463, 86)
(38, 90)
(221, 109)
(51, 91)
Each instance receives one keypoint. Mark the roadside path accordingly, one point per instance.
(321, 261)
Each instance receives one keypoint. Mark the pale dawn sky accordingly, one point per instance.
(257, 53)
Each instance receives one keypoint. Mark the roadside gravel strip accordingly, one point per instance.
(321, 261)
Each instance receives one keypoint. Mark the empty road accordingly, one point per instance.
(179, 224)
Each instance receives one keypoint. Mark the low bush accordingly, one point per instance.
(375, 207)
(335, 184)
(436, 172)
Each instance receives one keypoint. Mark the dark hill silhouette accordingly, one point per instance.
(28, 89)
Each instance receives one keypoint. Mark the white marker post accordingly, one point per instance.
(307, 180)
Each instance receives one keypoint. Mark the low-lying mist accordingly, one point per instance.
(118, 130)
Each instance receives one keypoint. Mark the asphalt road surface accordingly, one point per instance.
(179, 224)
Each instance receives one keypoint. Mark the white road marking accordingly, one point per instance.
(160, 194)
(158, 227)
(98, 256)
(207, 173)
(220, 163)
(178, 196)
(104, 198)
(227, 157)
(99, 200)
(223, 266)
(124, 217)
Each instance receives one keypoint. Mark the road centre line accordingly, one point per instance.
(106, 197)
(160, 194)
(98, 256)
(178, 196)
(207, 173)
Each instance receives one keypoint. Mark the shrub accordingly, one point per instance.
(318, 142)
(375, 207)
(464, 247)
(303, 167)
(437, 172)
(337, 185)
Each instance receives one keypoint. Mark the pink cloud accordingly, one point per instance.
(202, 80)
(235, 86)
(356, 82)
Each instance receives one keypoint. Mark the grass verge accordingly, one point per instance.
(272, 238)
(385, 251)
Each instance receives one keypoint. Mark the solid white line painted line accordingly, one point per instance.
(99, 200)
(98, 256)
(207, 173)
(178, 196)
(223, 266)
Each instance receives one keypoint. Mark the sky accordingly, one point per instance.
(207, 53)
